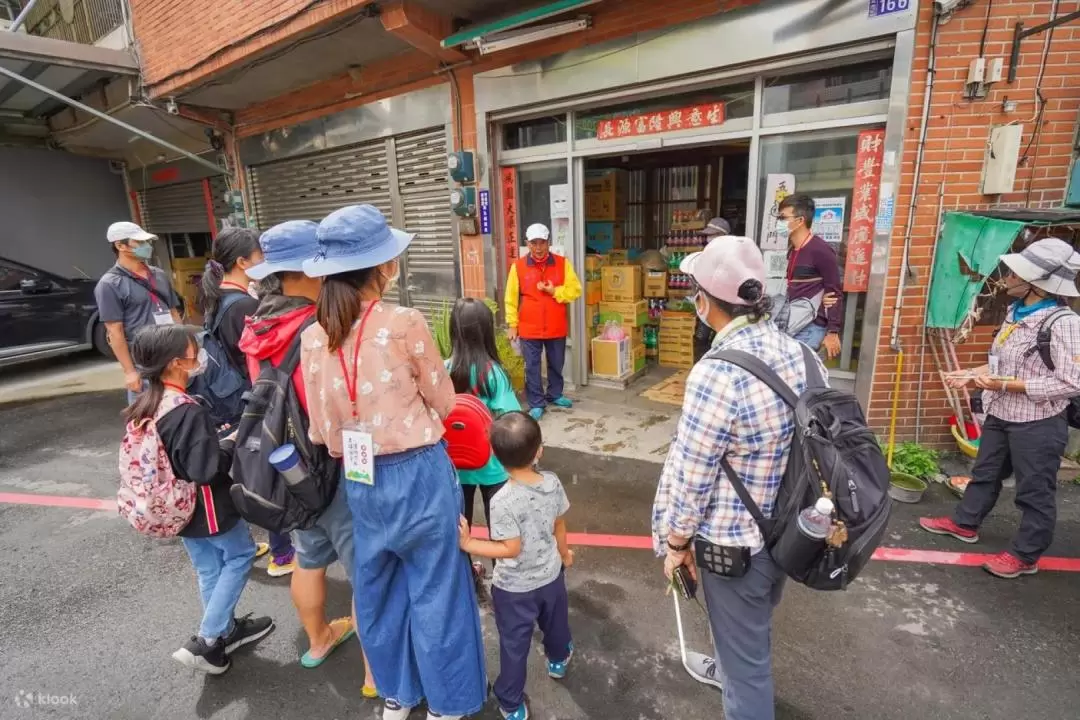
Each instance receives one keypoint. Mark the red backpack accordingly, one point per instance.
(467, 430)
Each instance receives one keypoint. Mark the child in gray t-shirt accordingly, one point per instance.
(528, 538)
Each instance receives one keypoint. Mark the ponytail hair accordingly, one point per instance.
(152, 349)
(339, 305)
(753, 292)
(229, 246)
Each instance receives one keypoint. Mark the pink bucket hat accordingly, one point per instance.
(724, 265)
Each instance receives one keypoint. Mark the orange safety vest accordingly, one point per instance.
(540, 316)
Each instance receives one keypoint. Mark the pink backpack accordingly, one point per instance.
(151, 497)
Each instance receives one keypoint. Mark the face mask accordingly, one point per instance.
(143, 252)
(202, 359)
(782, 229)
(1019, 290)
(702, 314)
(392, 279)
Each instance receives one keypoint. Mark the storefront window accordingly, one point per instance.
(823, 166)
(834, 86)
(534, 200)
(738, 102)
(531, 133)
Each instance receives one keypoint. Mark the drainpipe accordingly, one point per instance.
(905, 270)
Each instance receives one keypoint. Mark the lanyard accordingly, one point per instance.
(792, 263)
(1005, 333)
(350, 387)
(235, 286)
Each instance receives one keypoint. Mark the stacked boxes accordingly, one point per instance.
(676, 339)
(621, 303)
(612, 358)
(593, 279)
(655, 285)
(605, 208)
(621, 283)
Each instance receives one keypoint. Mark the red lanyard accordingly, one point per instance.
(791, 263)
(350, 387)
(230, 283)
(177, 388)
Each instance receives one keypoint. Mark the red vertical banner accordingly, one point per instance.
(508, 177)
(208, 200)
(864, 204)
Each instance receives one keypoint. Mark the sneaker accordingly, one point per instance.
(392, 710)
(247, 630)
(557, 670)
(1008, 566)
(702, 668)
(536, 413)
(563, 402)
(261, 549)
(280, 567)
(199, 655)
(946, 526)
(522, 713)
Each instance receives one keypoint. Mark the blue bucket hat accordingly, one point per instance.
(285, 247)
(354, 238)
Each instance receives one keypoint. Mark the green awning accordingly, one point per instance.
(514, 21)
(969, 250)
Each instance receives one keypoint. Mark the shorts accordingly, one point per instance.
(330, 539)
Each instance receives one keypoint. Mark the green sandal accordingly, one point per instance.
(310, 662)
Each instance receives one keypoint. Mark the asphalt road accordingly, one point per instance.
(90, 612)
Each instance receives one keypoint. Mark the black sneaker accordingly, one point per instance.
(198, 655)
(247, 630)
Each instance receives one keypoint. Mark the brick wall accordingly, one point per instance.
(958, 130)
(181, 43)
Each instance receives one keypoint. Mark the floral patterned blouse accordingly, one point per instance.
(402, 392)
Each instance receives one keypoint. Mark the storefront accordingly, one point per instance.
(699, 118)
(391, 154)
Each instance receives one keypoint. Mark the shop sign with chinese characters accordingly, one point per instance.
(509, 212)
(651, 123)
(864, 204)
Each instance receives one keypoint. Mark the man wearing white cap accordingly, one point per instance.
(133, 294)
(730, 414)
(538, 290)
(1031, 379)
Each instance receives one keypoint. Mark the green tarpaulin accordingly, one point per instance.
(969, 249)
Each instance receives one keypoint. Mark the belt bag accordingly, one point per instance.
(793, 316)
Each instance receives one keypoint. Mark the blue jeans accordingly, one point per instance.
(415, 600)
(534, 384)
(223, 563)
(740, 615)
(812, 336)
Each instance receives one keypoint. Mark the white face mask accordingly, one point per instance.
(782, 229)
(392, 280)
(203, 359)
(702, 314)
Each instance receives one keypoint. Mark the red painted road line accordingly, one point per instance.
(57, 501)
(621, 542)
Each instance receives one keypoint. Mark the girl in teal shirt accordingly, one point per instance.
(474, 367)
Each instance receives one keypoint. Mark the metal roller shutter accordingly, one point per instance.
(423, 184)
(313, 186)
(175, 208)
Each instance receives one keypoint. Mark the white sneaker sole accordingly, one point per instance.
(249, 639)
(195, 662)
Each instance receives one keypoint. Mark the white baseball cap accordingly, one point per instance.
(724, 265)
(537, 231)
(120, 231)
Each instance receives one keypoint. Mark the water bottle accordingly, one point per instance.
(815, 521)
(286, 460)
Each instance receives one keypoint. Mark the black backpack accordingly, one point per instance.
(221, 386)
(272, 418)
(1042, 346)
(832, 450)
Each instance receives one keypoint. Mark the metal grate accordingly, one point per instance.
(81, 21)
(176, 208)
(423, 183)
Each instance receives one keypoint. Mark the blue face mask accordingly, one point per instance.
(144, 251)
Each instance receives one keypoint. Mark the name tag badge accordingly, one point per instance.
(994, 364)
(359, 456)
(163, 317)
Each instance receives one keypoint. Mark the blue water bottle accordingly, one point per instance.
(286, 460)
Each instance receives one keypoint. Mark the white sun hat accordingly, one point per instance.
(1050, 264)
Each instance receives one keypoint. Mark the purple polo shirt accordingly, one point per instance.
(811, 269)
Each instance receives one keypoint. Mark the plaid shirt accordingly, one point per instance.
(729, 412)
(1047, 392)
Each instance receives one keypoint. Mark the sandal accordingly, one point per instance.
(309, 661)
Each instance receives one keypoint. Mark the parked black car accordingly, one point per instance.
(43, 315)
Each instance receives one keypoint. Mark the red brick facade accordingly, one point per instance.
(956, 140)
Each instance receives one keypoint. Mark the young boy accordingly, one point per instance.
(528, 538)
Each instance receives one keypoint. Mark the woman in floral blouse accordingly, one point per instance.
(378, 391)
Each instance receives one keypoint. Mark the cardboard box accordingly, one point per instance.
(618, 257)
(611, 358)
(601, 237)
(594, 292)
(676, 342)
(605, 194)
(592, 314)
(622, 283)
(593, 264)
(637, 353)
(636, 333)
(655, 285)
(633, 314)
(674, 359)
(672, 319)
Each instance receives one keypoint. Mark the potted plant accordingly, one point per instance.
(912, 467)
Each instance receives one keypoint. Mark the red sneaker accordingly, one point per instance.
(946, 526)
(1008, 566)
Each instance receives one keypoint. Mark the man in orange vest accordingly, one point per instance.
(539, 288)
